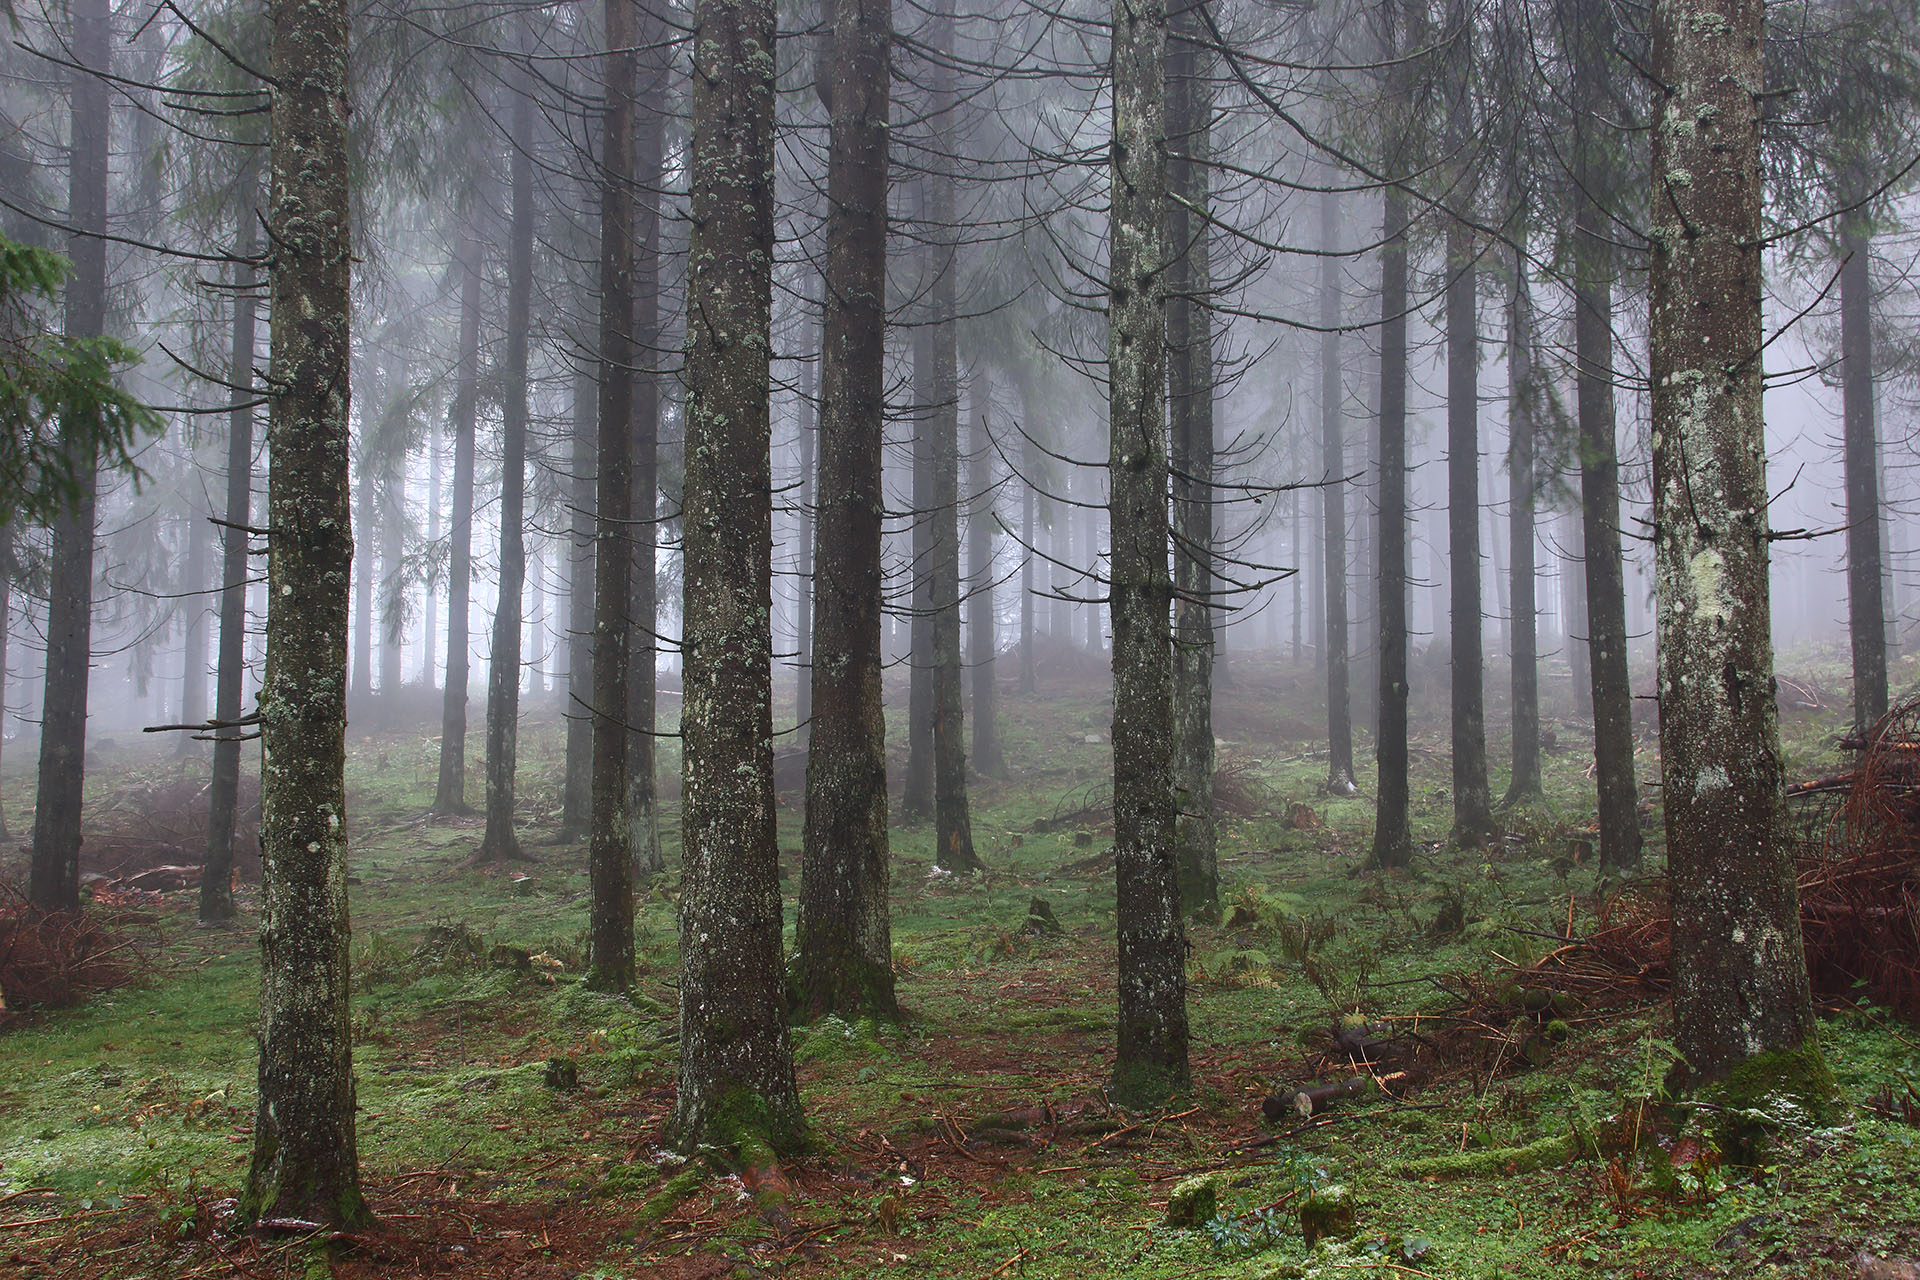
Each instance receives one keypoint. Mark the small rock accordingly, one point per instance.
(1041, 922)
(1196, 1201)
(562, 1074)
(1328, 1213)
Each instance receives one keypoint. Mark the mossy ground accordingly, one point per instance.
(125, 1121)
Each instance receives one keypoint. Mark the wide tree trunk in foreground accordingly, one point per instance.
(304, 1160)
(609, 859)
(736, 1063)
(846, 947)
(643, 809)
(223, 790)
(1742, 1013)
(1523, 490)
(1152, 1061)
(1333, 511)
(1190, 388)
(1606, 596)
(53, 876)
(1472, 797)
(1866, 596)
(450, 792)
(503, 668)
(1392, 814)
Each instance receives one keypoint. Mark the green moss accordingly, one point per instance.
(1494, 1161)
(1195, 1201)
(1781, 1085)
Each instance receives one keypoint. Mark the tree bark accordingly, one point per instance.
(364, 525)
(53, 875)
(1523, 494)
(804, 534)
(1333, 511)
(1392, 822)
(1190, 358)
(305, 1164)
(917, 786)
(450, 791)
(609, 855)
(846, 947)
(1606, 598)
(503, 669)
(1029, 532)
(193, 656)
(1152, 1059)
(1472, 796)
(223, 790)
(983, 636)
(576, 795)
(1866, 598)
(643, 810)
(1742, 1011)
(736, 1063)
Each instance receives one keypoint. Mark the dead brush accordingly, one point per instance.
(54, 960)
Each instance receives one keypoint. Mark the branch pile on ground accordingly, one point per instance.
(1859, 891)
(53, 960)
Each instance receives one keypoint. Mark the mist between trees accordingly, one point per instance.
(715, 381)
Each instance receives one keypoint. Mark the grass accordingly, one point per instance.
(132, 1113)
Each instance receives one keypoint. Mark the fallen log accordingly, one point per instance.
(1308, 1102)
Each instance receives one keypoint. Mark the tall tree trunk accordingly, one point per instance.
(1472, 797)
(736, 1062)
(1152, 1059)
(503, 669)
(1029, 531)
(7, 530)
(576, 794)
(1333, 510)
(193, 660)
(223, 790)
(609, 854)
(1090, 611)
(1190, 357)
(1606, 598)
(917, 787)
(430, 603)
(1392, 821)
(53, 876)
(1740, 976)
(450, 792)
(846, 947)
(364, 525)
(1524, 489)
(305, 1164)
(804, 535)
(643, 810)
(983, 638)
(393, 532)
(1866, 599)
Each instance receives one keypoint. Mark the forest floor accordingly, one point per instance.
(510, 1120)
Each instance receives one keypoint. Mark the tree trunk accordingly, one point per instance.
(304, 1160)
(1029, 531)
(503, 668)
(430, 603)
(393, 532)
(1333, 510)
(1523, 493)
(223, 790)
(53, 877)
(1606, 598)
(983, 636)
(576, 796)
(1866, 600)
(643, 811)
(736, 1063)
(804, 534)
(1190, 357)
(1152, 1060)
(917, 787)
(7, 530)
(846, 948)
(1392, 822)
(609, 854)
(1742, 1012)
(450, 793)
(193, 660)
(364, 525)
(1472, 797)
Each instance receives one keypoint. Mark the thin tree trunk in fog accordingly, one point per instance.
(6, 624)
(393, 529)
(1092, 586)
(983, 634)
(223, 790)
(1740, 989)
(808, 413)
(1152, 1058)
(364, 525)
(1028, 532)
(1573, 612)
(609, 857)
(53, 878)
(917, 786)
(305, 1164)
(1606, 598)
(1472, 798)
(503, 668)
(1524, 488)
(1333, 509)
(1190, 382)
(643, 811)
(845, 938)
(736, 1062)
(576, 794)
(1866, 601)
(430, 604)
(1392, 822)
(450, 792)
(1060, 541)
(193, 660)
(952, 821)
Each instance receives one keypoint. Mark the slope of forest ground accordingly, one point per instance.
(510, 1120)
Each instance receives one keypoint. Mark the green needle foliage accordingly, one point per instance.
(61, 408)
